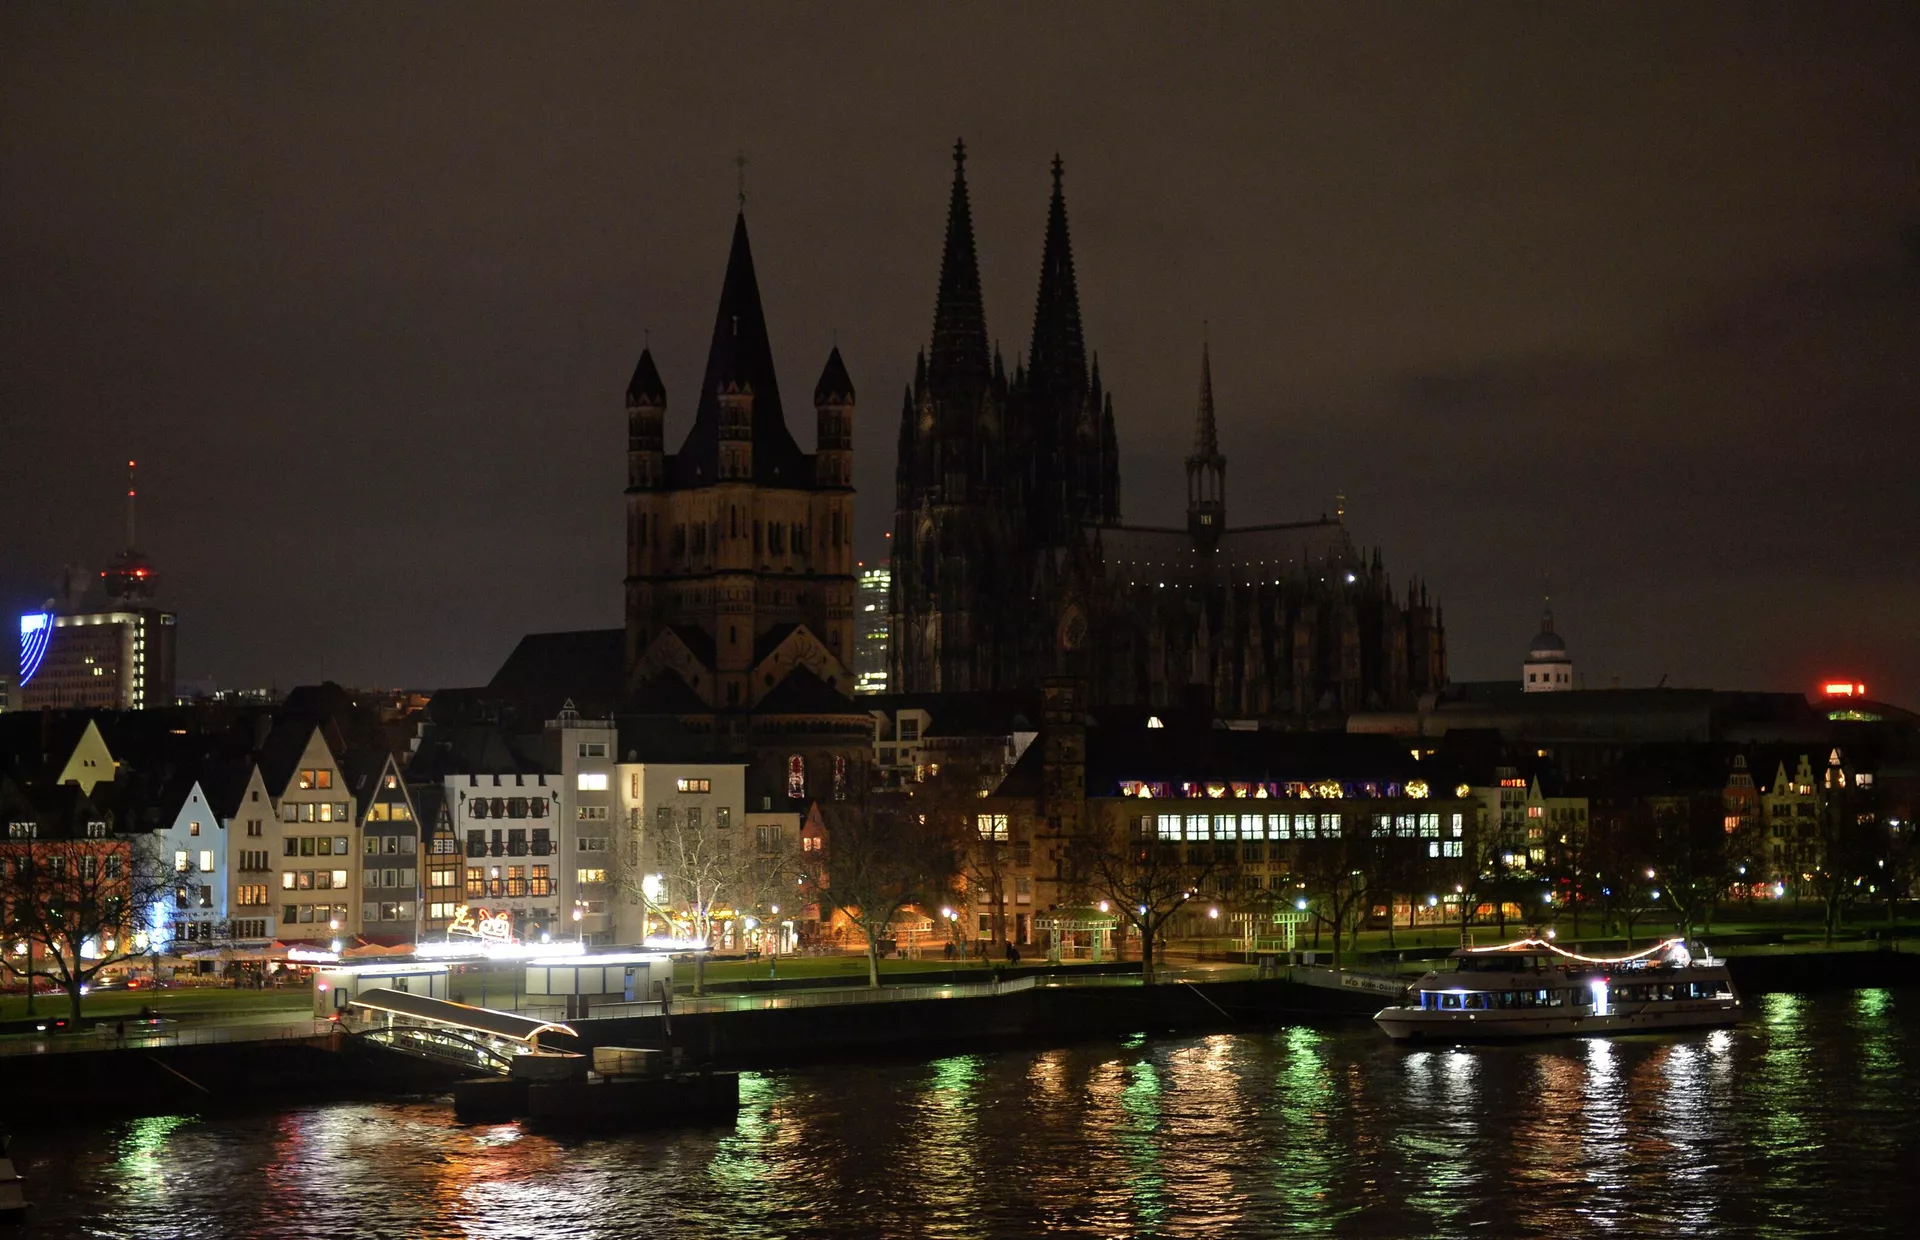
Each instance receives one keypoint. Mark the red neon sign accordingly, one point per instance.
(1843, 688)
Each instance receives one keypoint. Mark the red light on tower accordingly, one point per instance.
(1843, 688)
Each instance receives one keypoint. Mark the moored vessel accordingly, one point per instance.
(1535, 988)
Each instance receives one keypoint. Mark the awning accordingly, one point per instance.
(456, 1015)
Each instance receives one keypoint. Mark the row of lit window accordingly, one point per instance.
(313, 880)
(315, 811)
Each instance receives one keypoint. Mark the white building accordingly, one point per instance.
(1548, 668)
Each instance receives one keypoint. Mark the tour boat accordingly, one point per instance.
(1537, 989)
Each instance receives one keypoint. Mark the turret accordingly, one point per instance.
(646, 426)
(833, 408)
(1206, 469)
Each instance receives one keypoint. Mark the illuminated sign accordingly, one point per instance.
(35, 630)
(482, 924)
(1833, 688)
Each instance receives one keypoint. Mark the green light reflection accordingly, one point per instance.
(140, 1164)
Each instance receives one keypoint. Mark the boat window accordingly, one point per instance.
(1666, 990)
(1478, 1002)
(1450, 1001)
(1556, 998)
(1582, 998)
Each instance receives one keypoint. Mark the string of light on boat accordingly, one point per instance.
(1656, 949)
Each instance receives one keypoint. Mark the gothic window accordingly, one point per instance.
(839, 777)
(796, 777)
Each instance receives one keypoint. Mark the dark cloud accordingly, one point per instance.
(1620, 302)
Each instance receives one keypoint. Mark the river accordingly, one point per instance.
(1803, 1121)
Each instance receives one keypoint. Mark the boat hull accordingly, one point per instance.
(1427, 1025)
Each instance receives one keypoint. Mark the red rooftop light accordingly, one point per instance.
(1843, 688)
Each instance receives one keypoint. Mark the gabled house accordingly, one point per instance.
(390, 848)
(315, 840)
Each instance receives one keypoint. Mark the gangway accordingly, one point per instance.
(452, 1032)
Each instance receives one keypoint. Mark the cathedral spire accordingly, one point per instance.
(1206, 439)
(1206, 468)
(959, 353)
(1057, 364)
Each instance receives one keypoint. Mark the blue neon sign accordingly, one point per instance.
(35, 630)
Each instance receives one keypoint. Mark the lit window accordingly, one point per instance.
(592, 781)
(992, 826)
(693, 785)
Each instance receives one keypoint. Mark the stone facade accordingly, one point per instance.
(1011, 564)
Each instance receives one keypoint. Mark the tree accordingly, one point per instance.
(1844, 845)
(70, 908)
(1689, 856)
(881, 856)
(701, 874)
(1146, 879)
(1620, 850)
(979, 838)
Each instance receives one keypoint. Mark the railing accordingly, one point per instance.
(440, 1045)
(102, 1037)
(829, 998)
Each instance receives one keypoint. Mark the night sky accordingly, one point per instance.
(1621, 304)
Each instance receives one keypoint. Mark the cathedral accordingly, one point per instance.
(1011, 562)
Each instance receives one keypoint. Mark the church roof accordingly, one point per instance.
(835, 386)
(645, 387)
(803, 693)
(740, 358)
(1249, 555)
(769, 641)
(667, 694)
(548, 669)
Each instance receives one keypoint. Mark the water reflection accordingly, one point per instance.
(1295, 1130)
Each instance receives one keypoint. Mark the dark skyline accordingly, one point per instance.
(1623, 305)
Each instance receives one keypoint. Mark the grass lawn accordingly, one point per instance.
(175, 1004)
(851, 967)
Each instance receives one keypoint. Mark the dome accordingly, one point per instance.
(1547, 646)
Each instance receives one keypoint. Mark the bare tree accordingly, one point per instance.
(980, 840)
(881, 857)
(73, 907)
(1690, 857)
(705, 874)
(1148, 880)
(1337, 872)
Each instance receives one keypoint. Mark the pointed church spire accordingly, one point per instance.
(645, 389)
(959, 353)
(1058, 360)
(740, 359)
(1206, 468)
(1206, 439)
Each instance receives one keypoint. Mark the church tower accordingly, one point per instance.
(1206, 469)
(951, 550)
(739, 545)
